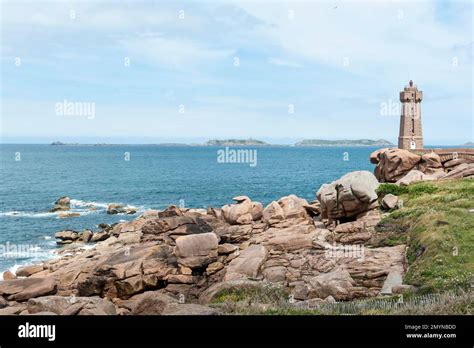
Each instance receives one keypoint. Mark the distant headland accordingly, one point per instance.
(358, 142)
(255, 142)
(235, 142)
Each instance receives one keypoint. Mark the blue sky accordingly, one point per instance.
(335, 63)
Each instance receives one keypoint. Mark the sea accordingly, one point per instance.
(33, 177)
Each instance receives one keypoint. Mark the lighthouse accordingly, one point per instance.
(411, 136)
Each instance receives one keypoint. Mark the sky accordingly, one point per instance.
(280, 71)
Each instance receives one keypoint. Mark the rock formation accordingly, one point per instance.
(177, 261)
(404, 167)
(62, 204)
(352, 194)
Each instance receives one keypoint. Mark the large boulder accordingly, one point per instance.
(290, 238)
(66, 236)
(177, 225)
(456, 161)
(150, 303)
(247, 264)
(336, 283)
(99, 236)
(375, 156)
(197, 250)
(430, 163)
(26, 271)
(244, 211)
(352, 194)
(414, 176)
(85, 236)
(8, 275)
(394, 164)
(273, 213)
(285, 208)
(293, 206)
(115, 208)
(461, 171)
(390, 201)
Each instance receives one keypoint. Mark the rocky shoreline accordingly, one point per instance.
(177, 261)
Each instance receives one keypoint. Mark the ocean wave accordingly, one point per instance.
(29, 214)
(77, 206)
(77, 203)
(33, 256)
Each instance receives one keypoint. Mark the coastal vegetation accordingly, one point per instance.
(436, 221)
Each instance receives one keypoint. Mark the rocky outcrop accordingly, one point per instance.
(402, 166)
(247, 265)
(115, 208)
(27, 271)
(352, 194)
(26, 288)
(62, 204)
(177, 261)
(336, 283)
(66, 236)
(71, 305)
(8, 275)
(430, 163)
(414, 176)
(393, 164)
(244, 211)
(197, 250)
(464, 170)
(285, 208)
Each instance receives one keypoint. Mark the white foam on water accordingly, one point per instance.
(77, 203)
(12, 269)
(77, 206)
(40, 257)
(27, 214)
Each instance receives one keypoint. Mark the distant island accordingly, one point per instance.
(235, 142)
(359, 142)
(469, 144)
(58, 143)
(254, 142)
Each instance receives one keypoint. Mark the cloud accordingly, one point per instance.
(370, 36)
(285, 63)
(284, 59)
(175, 53)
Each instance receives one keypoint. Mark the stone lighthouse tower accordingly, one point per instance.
(411, 137)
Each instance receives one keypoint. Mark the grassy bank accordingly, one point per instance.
(437, 224)
(272, 300)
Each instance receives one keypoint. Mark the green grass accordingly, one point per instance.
(413, 190)
(438, 228)
(457, 302)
